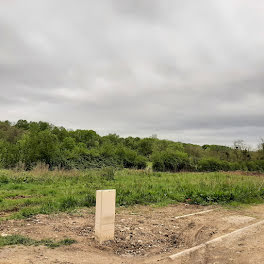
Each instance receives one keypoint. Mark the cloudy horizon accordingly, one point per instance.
(189, 71)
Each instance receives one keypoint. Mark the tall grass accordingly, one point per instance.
(24, 194)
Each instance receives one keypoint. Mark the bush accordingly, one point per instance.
(170, 161)
(255, 165)
(212, 164)
(252, 166)
(192, 164)
(235, 166)
(130, 158)
(157, 162)
(141, 162)
(260, 165)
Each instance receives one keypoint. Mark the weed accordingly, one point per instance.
(108, 173)
(3, 179)
(51, 244)
(21, 240)
(68, 203)
(16, 240)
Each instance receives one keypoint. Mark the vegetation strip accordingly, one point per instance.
(198, 213)
(25, 144)
(9, 240)
(215, 240)
(49, 192)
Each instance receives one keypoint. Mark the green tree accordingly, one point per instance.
(40, 146)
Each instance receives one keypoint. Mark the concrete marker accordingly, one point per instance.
(105, 215)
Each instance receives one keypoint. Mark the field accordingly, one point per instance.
(48, 216)
(24, 194)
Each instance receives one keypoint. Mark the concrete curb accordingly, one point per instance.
(198, 213)
(215, 240)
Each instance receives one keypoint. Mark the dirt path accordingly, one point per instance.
(143, 235)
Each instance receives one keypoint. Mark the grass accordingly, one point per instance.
(21, 240)
(25, 194)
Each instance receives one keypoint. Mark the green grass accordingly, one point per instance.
(24, 194)
(21, 240)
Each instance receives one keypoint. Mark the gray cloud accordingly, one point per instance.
(186, 70)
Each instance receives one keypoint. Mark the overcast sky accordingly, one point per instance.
(185, 70)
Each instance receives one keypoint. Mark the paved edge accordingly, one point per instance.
(215, 240)
(198, 213)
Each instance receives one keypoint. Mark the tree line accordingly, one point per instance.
(25, 144)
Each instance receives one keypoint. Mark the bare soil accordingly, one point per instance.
(143, 234)
(247, 173)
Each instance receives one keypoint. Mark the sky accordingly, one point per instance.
(189, 71)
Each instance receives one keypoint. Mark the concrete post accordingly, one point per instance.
(105, 215)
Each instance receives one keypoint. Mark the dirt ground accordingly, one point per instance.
(143, 235)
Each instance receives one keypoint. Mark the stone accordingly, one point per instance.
(105, 215)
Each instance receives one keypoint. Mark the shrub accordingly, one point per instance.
(158, 163)
(191, 165)
(252, 166)
(129, 157)
(255, 165)
(170, 161)
(141, 162)
(235, 166)
(212, 164)
(260, 164)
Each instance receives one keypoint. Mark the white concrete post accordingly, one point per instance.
(105, 215)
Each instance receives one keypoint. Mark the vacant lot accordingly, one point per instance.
(53, 214)
(143, 234)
